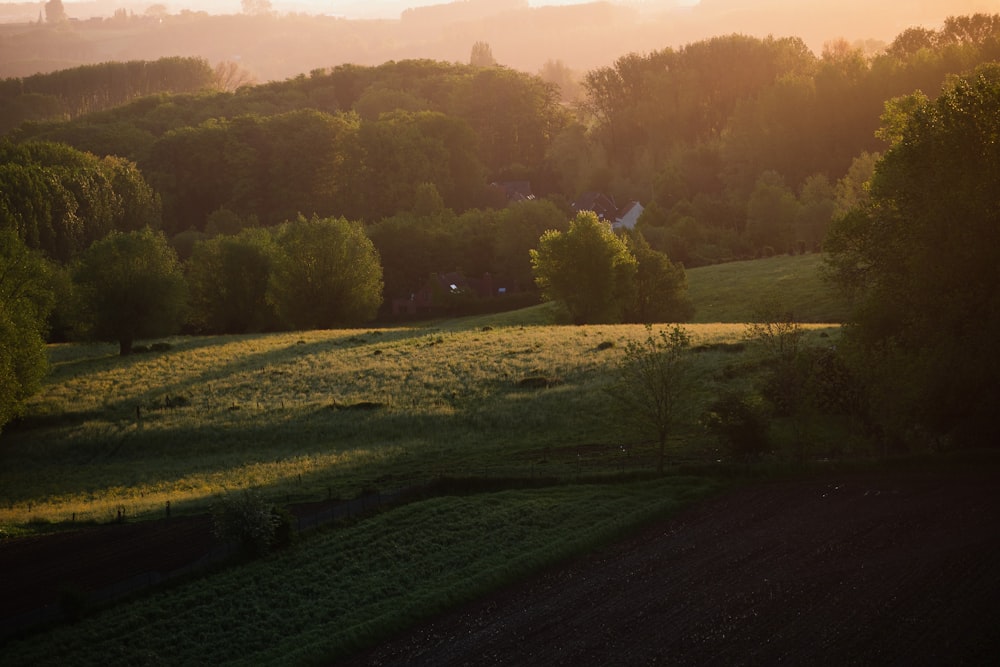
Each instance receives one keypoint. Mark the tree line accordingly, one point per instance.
(737, 146)
(69, 93)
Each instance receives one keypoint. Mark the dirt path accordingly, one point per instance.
(866, 569)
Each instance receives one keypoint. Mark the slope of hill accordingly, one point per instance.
(733, 292)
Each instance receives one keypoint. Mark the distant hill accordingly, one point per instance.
(584, 36)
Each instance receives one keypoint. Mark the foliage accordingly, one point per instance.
(920, 259)
(482, 55)
(327, 274)
(130, 286)
(660, 286)
(654, 379)
(60, 200)
(228, 278)
(740, 421)
(587, 268)
(25, 301)
(76, 91)
(247, 519)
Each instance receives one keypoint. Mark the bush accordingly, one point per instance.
(248, 520)
(741, 424)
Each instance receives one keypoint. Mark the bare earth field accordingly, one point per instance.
(868, 568)
(862, 569)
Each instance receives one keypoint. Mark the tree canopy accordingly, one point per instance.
(922, 261)
(328, 274)
(587, 268)
(25, 301)
(130, 286)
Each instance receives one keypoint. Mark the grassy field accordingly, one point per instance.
(305, 415)
(732, 292)
(312, 415)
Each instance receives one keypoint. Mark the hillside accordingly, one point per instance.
(732, 292)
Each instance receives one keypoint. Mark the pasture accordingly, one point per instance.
(329, 414)
(306, 416)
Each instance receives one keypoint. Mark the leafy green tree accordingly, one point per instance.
(660, 286)
(922, 261)
(587, 268)
(130, 286)
(25, 301)
(328, 274)
(228, 278)
(655, 377)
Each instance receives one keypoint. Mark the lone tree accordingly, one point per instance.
(588, 269)
(482, 55)
(922, 262)
(25, 301)
(329, 274)
(130, 286)
(654, 379)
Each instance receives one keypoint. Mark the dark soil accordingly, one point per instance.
(900, 568)
(874, 568)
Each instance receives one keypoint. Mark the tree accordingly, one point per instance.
(660, 286)
(228, 278)
(256, 7)
(55, 12)
(771, 213)
(482, 55)
(130, 286)
(25, 301)
(587, 268)
(654, 381)
(329, 274)
(922, 261)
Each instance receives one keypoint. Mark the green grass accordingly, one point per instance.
(346, 589)
(274, 412)
(268, 410)
(732, 292)
(263, 411)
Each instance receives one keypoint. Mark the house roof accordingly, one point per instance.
(599, 203)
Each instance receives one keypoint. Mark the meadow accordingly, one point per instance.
(321, 414)
(305, 416)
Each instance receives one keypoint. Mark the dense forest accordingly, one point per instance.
(736, 146)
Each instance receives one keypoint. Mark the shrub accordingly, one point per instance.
(246, 519)
(740, 423)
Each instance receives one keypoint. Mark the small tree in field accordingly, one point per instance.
(654, 377)
(587, 268)
(130, 286)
